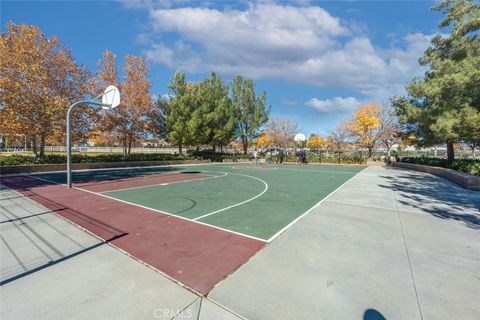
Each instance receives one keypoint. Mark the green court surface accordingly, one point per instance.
(257, 201)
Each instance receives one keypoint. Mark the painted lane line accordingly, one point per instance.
(240, 203)
(159, 211)
(311, 209)
(166, 183)
(171, 214)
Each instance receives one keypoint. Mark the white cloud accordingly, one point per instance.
(272, 41)
(288, 102)
(333, 105)
(142, 4)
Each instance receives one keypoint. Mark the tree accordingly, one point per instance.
(338, 138)
(157, 118)
(39, 79)
(137, 101)
(282, 131)
(315, 142)
(390, 130)
(433, 110)
(250, 111)
(214, 119)
(470, 128)
(106, 123)
(365, 126)
(178, 109)
(265, 140)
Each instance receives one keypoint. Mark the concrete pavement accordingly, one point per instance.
(50, 269)
(392, 243)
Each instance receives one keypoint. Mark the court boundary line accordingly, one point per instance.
(240, 203)
(167, 183)
(159, 211)
(269, 240)
(117, 168)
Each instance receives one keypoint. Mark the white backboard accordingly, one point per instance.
(111, 96)
(299, 137)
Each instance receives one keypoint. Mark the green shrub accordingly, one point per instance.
(331, 158)
(13, 160)
(471, 166)
(17, 159)
(214, 156)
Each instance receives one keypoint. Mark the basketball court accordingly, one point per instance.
(234, 241)
(195, 223)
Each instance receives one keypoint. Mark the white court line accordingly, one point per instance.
(113, 168)
(227, 230)
(159, 211)
(171, 214)
(309, 210)
(168, 183)
(240, 203)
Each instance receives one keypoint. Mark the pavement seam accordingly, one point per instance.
(225, 308)
(408, 256)
(189, 305)
(200, 308)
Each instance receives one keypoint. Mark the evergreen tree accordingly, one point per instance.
(250, 111)
(178, 110)
(213, 122)
(449, 93)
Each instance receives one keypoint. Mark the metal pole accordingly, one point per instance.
(69, 144)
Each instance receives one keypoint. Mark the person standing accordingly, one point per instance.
(255, 155)
(280, 156)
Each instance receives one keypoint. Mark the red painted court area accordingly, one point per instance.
(196, 255)
(140, 181)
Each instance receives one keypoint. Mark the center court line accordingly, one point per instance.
(152, 209)
(240, 203)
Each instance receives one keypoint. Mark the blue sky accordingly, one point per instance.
(317, 60)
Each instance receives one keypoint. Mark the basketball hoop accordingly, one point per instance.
(110, 99)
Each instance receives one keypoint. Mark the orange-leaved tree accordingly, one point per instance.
(265, 140)
(39, 79)
(315, 142)
(106, 123)
(130, 120)
(365, 126)
(137, 101)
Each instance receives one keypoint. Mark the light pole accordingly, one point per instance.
(110, 99)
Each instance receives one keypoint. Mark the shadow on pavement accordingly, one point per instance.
(437, 196)
(54, 262)
(372, 314)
